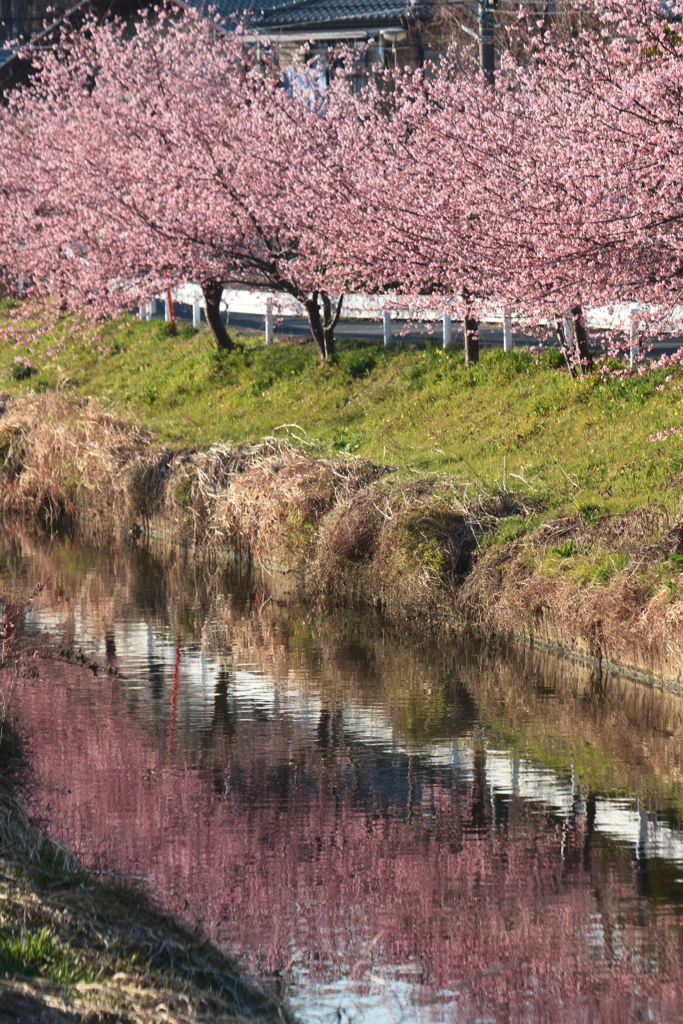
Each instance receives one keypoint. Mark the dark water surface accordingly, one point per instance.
(385, 827)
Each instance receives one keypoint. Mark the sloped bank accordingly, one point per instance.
(600, 587)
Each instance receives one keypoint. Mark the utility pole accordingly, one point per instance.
(486, 49)
(487, 62)
(6, 19)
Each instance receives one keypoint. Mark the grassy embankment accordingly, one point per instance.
(531, 486)
(573, 445)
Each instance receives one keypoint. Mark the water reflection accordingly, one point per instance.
(383, 827)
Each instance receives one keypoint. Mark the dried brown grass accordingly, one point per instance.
(60, 453)
(632, 618)
(399, 546)
(276, 498)
(64, 457)
(642, 534)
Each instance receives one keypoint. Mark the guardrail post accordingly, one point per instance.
(196, 314)
(388, 330)
(151, 309)
(142, 311)
(447, 330)
(269, 321)
(507, 333)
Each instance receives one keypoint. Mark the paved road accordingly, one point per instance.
(371, 332)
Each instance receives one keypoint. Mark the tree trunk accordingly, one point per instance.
(213, 291)
(565, 328)
(582, 338)
(323, 322)
(471, 329)
(575, 348)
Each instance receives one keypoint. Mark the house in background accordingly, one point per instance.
(393, 33)
(23, 19)
(15, 69)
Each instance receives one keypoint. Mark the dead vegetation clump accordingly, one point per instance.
(59, 454)
(642, 534)
(274, 505)
(62, 457)
(607, 587)
(396, 546)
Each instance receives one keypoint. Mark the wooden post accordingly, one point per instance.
(507, 333)
(269, 321)
(447, 331)
(196, 314)
(388, 332)
(634, 332)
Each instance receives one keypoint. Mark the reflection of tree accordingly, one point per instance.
(285, 844)
(306, 837)
(222, 723)
(479, 817)
(110, 646)
(323, 730)
(155, 675)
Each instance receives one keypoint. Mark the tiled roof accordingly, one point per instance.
(272, 13)
(299, 12)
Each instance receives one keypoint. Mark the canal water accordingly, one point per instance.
(382, 826)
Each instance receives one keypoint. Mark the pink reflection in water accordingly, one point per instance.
(278, 843)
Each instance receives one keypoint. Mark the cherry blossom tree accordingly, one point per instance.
(134, 164)
(557, 189)
(582, 158)
(137, 164)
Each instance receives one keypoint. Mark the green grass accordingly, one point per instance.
(578, 447)
(38, 952)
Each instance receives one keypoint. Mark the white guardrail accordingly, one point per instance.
(270, 305)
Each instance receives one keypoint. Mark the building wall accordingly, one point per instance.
(26, 17)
